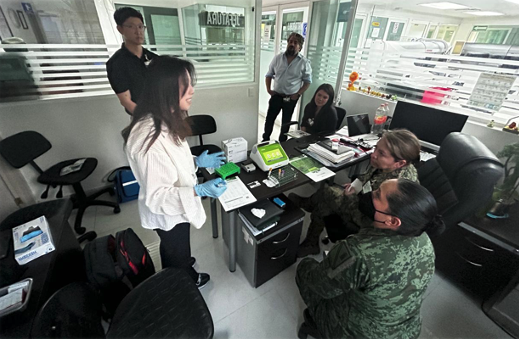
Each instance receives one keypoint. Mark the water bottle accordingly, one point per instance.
(379, 121)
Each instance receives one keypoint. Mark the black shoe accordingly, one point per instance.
(301, 202)
(192, 261)
(308, 328)
(305, 250)
(203, 279)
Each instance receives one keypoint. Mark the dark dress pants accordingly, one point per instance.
(175, 249)
(276, 104)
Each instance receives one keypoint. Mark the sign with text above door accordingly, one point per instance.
(220, 19)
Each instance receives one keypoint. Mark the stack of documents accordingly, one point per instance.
(330, 155)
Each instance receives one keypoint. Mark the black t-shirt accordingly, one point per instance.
(127, 72)
(325, 121)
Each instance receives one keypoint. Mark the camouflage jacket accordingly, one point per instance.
(376, 178)
(370, 285)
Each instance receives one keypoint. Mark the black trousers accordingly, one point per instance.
(175, 249)
(276, 104)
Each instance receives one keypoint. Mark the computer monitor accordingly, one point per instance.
(429, 124)
(358, 124)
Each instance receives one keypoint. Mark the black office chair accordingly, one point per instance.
(341, 113)
(22, 148)
(202, 124)
(166, 305)
(462, 177)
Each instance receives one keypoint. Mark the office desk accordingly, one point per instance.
(263, 192)
(49, 272)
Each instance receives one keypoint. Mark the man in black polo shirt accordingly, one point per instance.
(127, 67)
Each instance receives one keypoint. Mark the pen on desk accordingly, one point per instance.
(270, 171)
(279, 173)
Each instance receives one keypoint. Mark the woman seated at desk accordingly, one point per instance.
(394, 156)
(320, 115)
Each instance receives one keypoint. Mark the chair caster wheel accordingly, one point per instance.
(117, 210)
(80, 230)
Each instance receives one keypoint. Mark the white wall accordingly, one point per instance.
(90, 127)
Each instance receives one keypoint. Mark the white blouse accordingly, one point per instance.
(166, 174)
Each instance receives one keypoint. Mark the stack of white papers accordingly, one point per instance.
(331, 156)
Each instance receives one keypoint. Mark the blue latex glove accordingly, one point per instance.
(214, 160)
(213, 188)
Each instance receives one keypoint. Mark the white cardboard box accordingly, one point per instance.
(235, 149)
(33, 246)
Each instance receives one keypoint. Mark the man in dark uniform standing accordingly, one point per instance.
(127, 67)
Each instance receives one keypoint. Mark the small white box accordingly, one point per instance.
(235, 149)
(32, 240)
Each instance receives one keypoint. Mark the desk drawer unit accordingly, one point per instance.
(262, 256)
(477, 263)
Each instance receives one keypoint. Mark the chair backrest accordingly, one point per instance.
(22, 148)
(202, 124)
(341, 113)
(462, 177)
(74, 311)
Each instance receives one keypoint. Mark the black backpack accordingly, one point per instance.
(114, 266)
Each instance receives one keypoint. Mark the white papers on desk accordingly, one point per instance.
(236, 195)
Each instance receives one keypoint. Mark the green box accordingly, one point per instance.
(227, 170)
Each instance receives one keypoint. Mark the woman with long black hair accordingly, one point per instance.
(320, 115)
(160, 158)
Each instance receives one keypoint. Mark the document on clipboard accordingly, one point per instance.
(236, 195)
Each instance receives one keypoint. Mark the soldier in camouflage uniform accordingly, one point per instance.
(372, 284)
(393, 158)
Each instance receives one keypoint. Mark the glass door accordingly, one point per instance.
(294, 19)
(268, 51)
(395, 30)
(277, 23)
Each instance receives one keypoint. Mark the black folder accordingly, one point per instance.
(272, 213)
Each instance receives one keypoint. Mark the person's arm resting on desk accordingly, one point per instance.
(343, 269)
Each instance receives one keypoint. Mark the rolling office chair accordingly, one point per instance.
(22, 148)
(462, 177)
(202, 124)
(166, 305)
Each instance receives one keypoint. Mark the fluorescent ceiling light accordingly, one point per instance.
(514, 1)
(444, 5)
(484, 13)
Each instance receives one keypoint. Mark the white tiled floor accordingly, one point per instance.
(274, 310)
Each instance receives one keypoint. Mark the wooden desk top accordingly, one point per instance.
(503, 230)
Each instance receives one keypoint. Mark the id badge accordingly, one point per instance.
(366, 188)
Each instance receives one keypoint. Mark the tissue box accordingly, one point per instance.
(32, 240)
(235, 149)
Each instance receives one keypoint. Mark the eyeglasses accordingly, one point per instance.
(139, 27)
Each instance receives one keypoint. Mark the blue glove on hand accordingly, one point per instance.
(214, 160)
(213, 188)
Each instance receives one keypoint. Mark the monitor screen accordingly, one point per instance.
(358, 124)
(427, 123)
